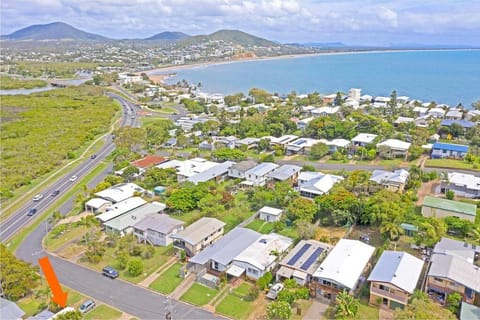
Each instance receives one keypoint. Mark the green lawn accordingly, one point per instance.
(168, 281)
(52, 244)
(366, 312)
(290, 232)
(234, 307)
(261, 226)
(449, 163)
(103, 312)
(243, 289)
(199, 295)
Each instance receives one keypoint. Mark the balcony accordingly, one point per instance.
(402, 298)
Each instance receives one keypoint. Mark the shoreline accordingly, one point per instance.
(162, 73)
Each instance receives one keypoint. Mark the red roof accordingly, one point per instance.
(148, 161)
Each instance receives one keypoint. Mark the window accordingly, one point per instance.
(438, 279)
(384, 288)
(215, 265)
(327, 283)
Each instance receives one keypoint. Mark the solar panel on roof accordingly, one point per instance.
(311, 259)
(298, 254)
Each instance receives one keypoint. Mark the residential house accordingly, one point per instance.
(463, 184)
(392, 181)
(248, 142)
(392, 148)
(206, 145)
(262, 255)
(97, 205)
(120, 208)
(238, 170)
(472, 114)
(123, 224)
(437, 113)
(188, 168)
(441, 208)
(282, 141)
(363, 139)
(336, 144)
(324, 111)
(157, 229)
(355, 94)
(170, 143)
(148, 162)
(217, 257)
(198, 235)
(302, 261)
(461, 249)
(257, 176)
(329, 98)
(449, 274)
(307, 110)
(302, 124)
(227, 142)
(286, 172)
(465, 124)
(301, 145)
(469, 312)
(402, 120)
(342, 268)
(312, 184)
(454, 114)
(269, 214)
(217, 173)
(10, 310)
(120, 192)
(394, 278)
(420, 111)
(448, 150)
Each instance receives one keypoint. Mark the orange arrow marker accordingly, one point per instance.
(59, 296)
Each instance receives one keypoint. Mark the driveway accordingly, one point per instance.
(316, 310)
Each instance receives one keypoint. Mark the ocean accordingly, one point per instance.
(450, 77)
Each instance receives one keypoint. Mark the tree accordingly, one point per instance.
(476, 105)
(305, 229)
(260, 95)
(132, 139)
(264, 280)
(302, 209)
(453, 302)
(17, 277)
(135, 267)
(393, 103)
(391, 230)
(287, 296)
(318, 150)
(279, 310)
(130, 172)
(70, 315)
(228, 154)
(423, 309)
(346, 305)
(450, 194)
(159, 177)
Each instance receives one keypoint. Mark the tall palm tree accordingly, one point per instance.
(392, 230)
(346, 305)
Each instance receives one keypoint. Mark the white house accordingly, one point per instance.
(259, 257)
(312, 184)
(217, 173)
(362, 139)
(438, 113)
(257, 176)
(124, 223)
(463, 184)
(324, 111)
(120, 208)
(97, 205)
(269, 214)
(120, 192)
(238, 170)
(156, 229)
(392, 148)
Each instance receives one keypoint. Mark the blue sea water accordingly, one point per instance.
(449, 77)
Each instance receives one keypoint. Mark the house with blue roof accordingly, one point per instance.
(448, 150)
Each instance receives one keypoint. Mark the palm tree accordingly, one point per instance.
(392, 230)
(346, 305)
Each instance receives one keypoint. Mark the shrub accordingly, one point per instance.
(148, 252)
(264, 280)
(135, 267)
(121, 260)
(279, 310)
(290, 284)
(287, 296)
(253, 293)
(302, 293)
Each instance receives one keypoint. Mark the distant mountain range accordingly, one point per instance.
(169, 36)
(52, 31)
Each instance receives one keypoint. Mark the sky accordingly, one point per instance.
(354, 22)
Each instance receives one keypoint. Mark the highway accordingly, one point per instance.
(20, 219)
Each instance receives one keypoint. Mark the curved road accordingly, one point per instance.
(124, 296)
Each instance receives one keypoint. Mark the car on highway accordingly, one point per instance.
(31, 212)
(55, 193)
(274, 291)
(38, 197)
(93, 156)
(110, 272)
(73, 178)
(87, 306)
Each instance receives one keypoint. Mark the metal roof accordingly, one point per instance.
(284, 172)
(262, 169)
(198, 230)
(450, 147)
(161, 223)
(450, 205)
(398, 268)
(10, 310)
(120, 208)
(298, 256)
(244, 165)
(130, 218)
(228, 247)
(211, 173)
(463, 123)
(456, 269)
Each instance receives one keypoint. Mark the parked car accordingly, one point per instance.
(93, 156)
(110, 272)
(38, 197)
(87, 306)
(55, 193)
(274, 290)
(31, 212)
(73, 178)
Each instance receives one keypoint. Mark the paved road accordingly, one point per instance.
(124, 296)
(20, 219)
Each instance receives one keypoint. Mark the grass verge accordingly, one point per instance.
(450, 163)
(103, 312)
(199, 295)
(169, 280)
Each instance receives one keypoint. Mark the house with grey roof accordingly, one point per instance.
(257, 176)
(313, 184)
(269, 214)
(286, 172)
(157, 229)
(120, 208)
(237, 171)
(198, 235)
(392, 181)
(463, 184)
(124, 223)
(441, 208)
(461, 249)
(261, 256)
(394, 278)
(302, 261)
(449, 274)
(469, 312)
(217, 257)
(9, 310)
(248, 143)
(216, 173)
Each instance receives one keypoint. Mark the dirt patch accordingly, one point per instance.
(259, 308)
(428, 188)
(329, 235)
(374, 236)
(75, 218)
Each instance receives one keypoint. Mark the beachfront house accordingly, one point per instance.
(441, 208)
(198, 235)
(394, 278)
(157, 229)
(302, 261)
(448, 150)
(342, 268)
(463, 184)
